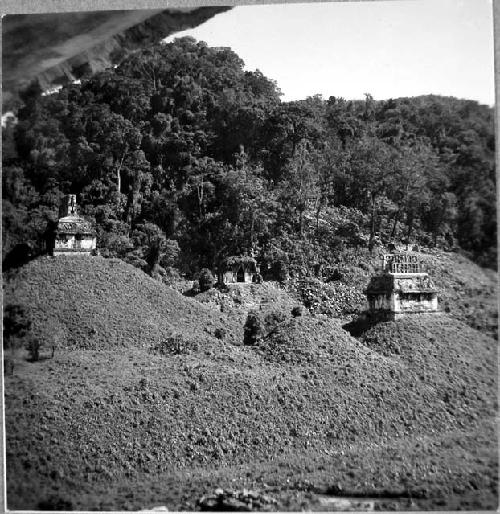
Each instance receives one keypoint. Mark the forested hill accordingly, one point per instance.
(183, 158)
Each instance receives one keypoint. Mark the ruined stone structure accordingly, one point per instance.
(402, 288)
(73, 235)
(239, 270)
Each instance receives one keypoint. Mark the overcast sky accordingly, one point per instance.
(387, 48)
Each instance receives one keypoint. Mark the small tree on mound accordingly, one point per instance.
(280, 271)
(16, 326)
(272, 320)
(195, 289)
(33, 346)
(206, 280)
(252, 329)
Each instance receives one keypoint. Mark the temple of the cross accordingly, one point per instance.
(402, 288)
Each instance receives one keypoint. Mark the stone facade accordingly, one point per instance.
(241, 270)
(402, 288)
(73, 235)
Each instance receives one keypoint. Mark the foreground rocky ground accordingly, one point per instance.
(151, 399)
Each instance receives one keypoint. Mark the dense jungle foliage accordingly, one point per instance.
(184, 158)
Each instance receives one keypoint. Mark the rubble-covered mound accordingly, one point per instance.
(236, 299)
(459, 363)
(308, 340)
(142, 416)
(466, 291)
(336, 298)
(97, 303)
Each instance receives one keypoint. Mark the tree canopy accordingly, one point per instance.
(183, 158)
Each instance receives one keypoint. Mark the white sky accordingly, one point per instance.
(389, 48)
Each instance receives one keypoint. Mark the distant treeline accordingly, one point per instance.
(183, 158)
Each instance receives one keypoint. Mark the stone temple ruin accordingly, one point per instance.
(402, 288)
(72, 235)
(242, 269)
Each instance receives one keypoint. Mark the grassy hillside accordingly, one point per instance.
(117, 420)
(105, 303)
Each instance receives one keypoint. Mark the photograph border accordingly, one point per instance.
(59, 6)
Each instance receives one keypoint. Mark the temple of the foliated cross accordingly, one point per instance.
(72, 235)
(401, 289)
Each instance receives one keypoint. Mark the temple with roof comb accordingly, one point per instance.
(72, 235)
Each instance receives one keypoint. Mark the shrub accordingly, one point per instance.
(252, 329)
(297, 311)
(8, 366)
(135, 260)
(257, 278)
(53, 334)
(272, 320)
(33, 346)
(55, 502)
(171, 276)
(222, 287)
(20, 255)
(280, 271)
(337, 275)
(195, 289)
(175, 345)
(220, 333)
(16, 324)
(206, 280)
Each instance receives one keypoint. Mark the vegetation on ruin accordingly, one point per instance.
(183, 158)
(235, 260)
(152, 397)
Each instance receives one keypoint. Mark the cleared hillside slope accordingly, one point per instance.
(113, 423)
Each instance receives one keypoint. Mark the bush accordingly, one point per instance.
(195, 289)
(171, 276)
(297, 311)
(337, 275)
(55, 502)
(33, 348)
(222, 287)
(252, 329)
(272, 320)
(20, 255)
(257, 278)
(220, 333)
(8, 366)
(175, 345)
(206, 280)
(280, 271)
(16, 324)
(135, 260)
